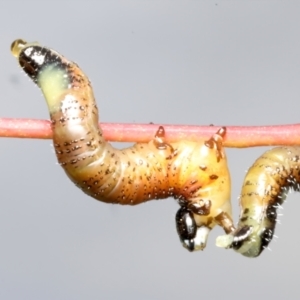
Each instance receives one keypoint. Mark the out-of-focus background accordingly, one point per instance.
(188, 62)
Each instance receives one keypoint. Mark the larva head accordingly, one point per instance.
(45, 67)
(252, 235)
(191, 236)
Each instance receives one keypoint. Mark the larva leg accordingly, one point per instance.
(201, 207)
(160, 143)
(264, 189)
(216, 142)
(225, 221)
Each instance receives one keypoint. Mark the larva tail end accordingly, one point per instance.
(49, 70)
(224, 241)
(18, 45)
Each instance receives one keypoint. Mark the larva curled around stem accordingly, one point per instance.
(196, 174)
(264, 189)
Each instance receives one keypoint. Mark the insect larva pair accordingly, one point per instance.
(196, 174)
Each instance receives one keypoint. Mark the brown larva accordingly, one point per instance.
(196, 174)
(264, 189)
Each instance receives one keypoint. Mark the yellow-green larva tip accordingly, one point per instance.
(17, 46)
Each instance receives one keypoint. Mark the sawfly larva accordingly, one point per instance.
(264, 189)
(196, 174)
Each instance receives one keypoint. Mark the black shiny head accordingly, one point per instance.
(240, 236)
(186, 228)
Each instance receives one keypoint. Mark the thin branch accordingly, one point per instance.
(236, 137)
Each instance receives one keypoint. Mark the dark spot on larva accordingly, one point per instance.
(243, 219)
(209, 221)
(203, 167)
(202, 208)
(76, 148)
(213, 177)
(74, 161)
(266, 238)
(248, 182)
(271, 213)
(250, 194)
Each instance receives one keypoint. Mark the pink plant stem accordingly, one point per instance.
(236, 137)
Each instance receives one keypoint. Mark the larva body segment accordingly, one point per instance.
(194, 173)
(264, 189)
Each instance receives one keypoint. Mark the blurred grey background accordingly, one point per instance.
(188, 62)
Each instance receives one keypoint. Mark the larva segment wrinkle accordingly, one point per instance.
(264, 189)
(196, 174)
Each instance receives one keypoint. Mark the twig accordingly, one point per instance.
(236, 137)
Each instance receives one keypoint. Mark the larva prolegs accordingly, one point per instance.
(225, 221)
(264, 189)
(216, 142)
(161, 144)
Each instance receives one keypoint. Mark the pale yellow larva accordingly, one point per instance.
(264, 189)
